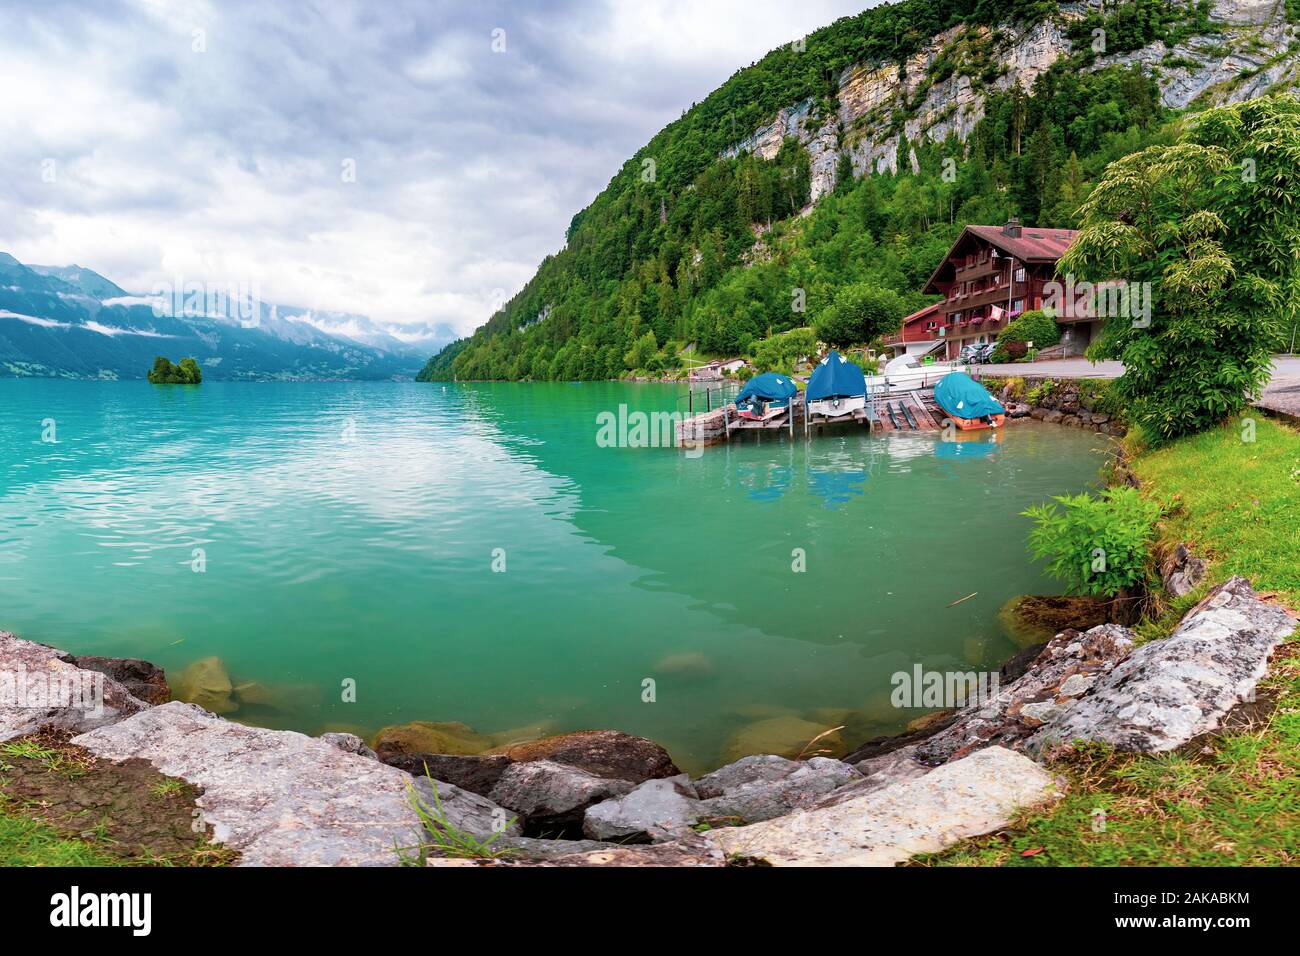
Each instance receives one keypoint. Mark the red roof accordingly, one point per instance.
(915, 319)
(1032, 245)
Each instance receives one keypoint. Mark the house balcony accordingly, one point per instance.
(997, 295)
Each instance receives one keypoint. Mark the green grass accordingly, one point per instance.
(1237, 502)
(442, 837)
(1237, 802)
(25, 841)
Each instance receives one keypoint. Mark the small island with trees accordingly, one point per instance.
(165, 373)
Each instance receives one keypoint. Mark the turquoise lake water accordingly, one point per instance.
(349, 533)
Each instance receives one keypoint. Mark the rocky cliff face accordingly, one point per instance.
(883, 105)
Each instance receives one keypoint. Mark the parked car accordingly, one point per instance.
(969, 354)
(985, 353)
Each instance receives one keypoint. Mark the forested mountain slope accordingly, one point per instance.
(855, 155)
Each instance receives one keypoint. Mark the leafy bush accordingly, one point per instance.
(1037, 326)
(860, 313)
(1101, 395)
(779, 353)
(1096, 545)
(165, 373)
(1014, 389)
(1038, 392)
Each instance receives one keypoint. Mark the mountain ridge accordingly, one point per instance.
(647, 253)
(72, 322)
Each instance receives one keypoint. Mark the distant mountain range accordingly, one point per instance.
(72, 322)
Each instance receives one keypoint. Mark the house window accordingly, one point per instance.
(1017, 306)
(1020, 275)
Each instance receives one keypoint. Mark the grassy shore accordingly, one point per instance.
(1234, 801)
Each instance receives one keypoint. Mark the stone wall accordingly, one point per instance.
(1069, 402)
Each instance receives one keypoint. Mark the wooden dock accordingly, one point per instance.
(912, 411)
(908, 412)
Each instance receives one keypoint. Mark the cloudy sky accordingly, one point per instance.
(154, 141)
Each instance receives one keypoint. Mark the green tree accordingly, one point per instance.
(165, 373)
(1210, 226)
(642, 352)
(860, 313)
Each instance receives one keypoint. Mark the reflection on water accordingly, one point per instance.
(348, 532)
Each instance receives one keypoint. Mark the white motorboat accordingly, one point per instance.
(905, 374)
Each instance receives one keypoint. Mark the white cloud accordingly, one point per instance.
(226, 165)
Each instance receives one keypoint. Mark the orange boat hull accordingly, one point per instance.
(971, 424)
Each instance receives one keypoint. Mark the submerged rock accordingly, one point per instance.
(207, 684)
(422, 736)
(1033, 619)
(552, 797)
(654, 812)
(787, 736)
(279, 797)
(39, 687)
(1021, 707)
(604, 753)
(969, 797)
(143, 680)
(689, 665)
(1169, 691)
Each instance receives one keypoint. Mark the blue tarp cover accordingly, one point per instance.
(768, 387)
(962, 397)
(835, 377)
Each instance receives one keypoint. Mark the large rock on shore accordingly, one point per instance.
(762, 787)
(40, 688)
(279, 797)
(1062, 672)
(553, 797)
(604, 753)
(976, 795)
(1169, 691)
(654, 812)
(1182, 571)
(470, 812)
(143, 680)
(476, 773)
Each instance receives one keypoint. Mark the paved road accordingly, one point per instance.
(1282, 393)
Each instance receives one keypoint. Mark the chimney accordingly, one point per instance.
(1012, 228)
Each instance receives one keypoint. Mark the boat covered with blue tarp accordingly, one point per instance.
(770, 388)
(967, 402)
(835, 377)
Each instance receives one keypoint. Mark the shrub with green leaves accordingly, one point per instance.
(1096, 545)
(1037, 326)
